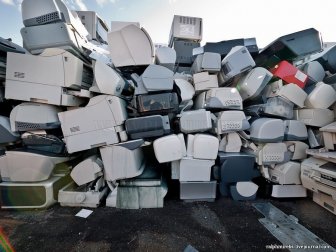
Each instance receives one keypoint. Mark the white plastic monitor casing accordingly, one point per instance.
(314, 70)
(22, 166)
(202, 146)
(204, 81)
(293, 93)
(191, 169)
(165, 56)
(286, 174)
(34, 116)
(230, 143)
(329, 136)
(295, 130)
(288, 191)
(121, 162)
(253, 83)
(314, 117)
(298, 149)
(325, 201)
(96, 27)
(130, 46)
(318, 179)
(97, 124)
(219, 98)
(237, 61)
(44, 191)
(169, 148)
(6, 134)
(195, 121)
(157, 78)
(72, 196)
(87, 171)
(106, 80)
(186, 93)
(322, 96)
(231, 121)
(209, 62)
(267, 130)
(186, 28)
(271, 153)
(118, 25)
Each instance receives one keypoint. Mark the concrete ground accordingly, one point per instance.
(224, 225)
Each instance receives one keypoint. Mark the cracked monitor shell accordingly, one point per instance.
(130, 46)
(95, 125)
(34, 116)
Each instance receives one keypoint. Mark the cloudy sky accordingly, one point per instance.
(222, 19)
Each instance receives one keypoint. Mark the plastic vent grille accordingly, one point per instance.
(48, 18)
(22, 126)
(19, 75)
(232, 125)
(188, 20)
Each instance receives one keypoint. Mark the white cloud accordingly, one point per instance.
(101, 3)
(81, 5)
(172, 1)
(8, 2)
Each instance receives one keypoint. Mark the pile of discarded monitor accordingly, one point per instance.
(91, 114)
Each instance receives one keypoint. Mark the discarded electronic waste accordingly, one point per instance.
(91, 114)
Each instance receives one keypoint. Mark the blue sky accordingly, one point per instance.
(223, 19)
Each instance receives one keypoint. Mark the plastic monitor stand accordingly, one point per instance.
(243, 191)
(202, 146)
(219, 98)
(6, 134)
(157, 78)
(186, 93)
(267, 130)
(169, 148)
(238, 61)
(231, 121)
(27, 166)
(198, 191)
(326, 201)
(321, 90)
(230, 142)
(87, 171)
(121, 162)
(32, 116)
(295, 131)
(195, 121)
(286, 174)
(314, 70)
(253, 83)
(191, 169)
(83, 134)
(32, 195)
(185, 28)
(291, 46)
(329, 136)
(204, 81)
(288, 191)
(96, 27)
(107, 80)
(147, 126)
(314, 117)
(209, 62)
(83, 196)
(132, 46)
(165, 56)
